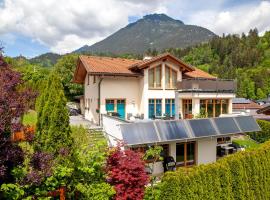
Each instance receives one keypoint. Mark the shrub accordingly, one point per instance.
(126, 172)
(244, 175)
(264, 134)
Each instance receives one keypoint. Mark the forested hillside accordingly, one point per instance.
(245, 58)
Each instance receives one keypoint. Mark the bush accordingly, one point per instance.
(244, 175)
(264, 134)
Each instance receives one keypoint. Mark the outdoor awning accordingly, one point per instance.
(177, 130)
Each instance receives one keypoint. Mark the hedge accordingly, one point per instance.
(243, 175)
(264, 135)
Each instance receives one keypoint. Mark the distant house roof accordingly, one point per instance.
(241, 100)
(242, 103)
(96, 65)
(265, 110)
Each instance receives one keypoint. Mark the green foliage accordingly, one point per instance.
(53, 130)
(246, 143)
(65, 68)
(30, 118)
(244, 175)
(12, 191)
(98, 191)
(264, 134)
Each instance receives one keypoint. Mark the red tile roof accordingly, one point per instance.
(101, 65)
(197, 73)
(144, 63)
(251, 105)
(127, 67)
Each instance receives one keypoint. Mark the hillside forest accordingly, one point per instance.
(245, 58)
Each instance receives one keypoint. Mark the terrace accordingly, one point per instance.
(207, 85)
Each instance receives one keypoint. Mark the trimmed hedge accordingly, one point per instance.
(244, 175)
(264, 135)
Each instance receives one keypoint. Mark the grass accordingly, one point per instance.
(30, 118)
(246, 142)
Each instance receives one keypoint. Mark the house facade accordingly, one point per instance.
(146, 89)
(157, 101)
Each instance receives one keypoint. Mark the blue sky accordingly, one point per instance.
(31, 28)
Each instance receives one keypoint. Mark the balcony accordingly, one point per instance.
(207, 85)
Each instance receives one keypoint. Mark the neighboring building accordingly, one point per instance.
(146, 89)
(265, 110)
(264, 101)
(242, 105)
(150, 96)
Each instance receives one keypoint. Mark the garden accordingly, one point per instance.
(42, 157)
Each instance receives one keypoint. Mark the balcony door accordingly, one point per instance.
(116, 106)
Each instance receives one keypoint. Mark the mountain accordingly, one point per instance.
(155, 31)
(45, 60)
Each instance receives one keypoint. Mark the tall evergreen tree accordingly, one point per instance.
(53, 130)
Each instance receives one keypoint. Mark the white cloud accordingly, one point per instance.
(235, 20)
(65, 25)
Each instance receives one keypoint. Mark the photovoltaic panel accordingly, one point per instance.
(139, 133)
(226, 125)
(247, 123)
(202, 127)
(172, 130)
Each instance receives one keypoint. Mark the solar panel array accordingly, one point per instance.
(164, 131)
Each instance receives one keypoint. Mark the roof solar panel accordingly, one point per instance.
(139, 133)
(247, 123)
(202, 127)
(226, 125)
(172, 130)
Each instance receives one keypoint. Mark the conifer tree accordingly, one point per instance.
(53, 130)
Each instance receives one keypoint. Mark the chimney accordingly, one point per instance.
(146, 57)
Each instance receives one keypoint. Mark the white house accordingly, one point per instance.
(147, 88)
(155, 100)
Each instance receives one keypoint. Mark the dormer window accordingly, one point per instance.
(154, 77)
(170, 78)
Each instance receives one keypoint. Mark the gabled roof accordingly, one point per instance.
(242, 103)
(145, 63)
(197, 73)
(96, 65)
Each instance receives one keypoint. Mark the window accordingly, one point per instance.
(154, 77)
(214, 107)
(94, 79)
(185, 153)
(116, 106)
(170, 78)
(88, 79)
(154, 108)
(170, 107)
(187, 108)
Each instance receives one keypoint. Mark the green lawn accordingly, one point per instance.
(246, 143)
(30, 118)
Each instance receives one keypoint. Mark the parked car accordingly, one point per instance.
(73, 111)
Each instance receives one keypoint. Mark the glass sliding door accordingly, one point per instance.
(185, 153)
(116, 106)
(187, 108)
(170, 107)
(121, 108)
(214, 107)
(154, 108)
(180, 154)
